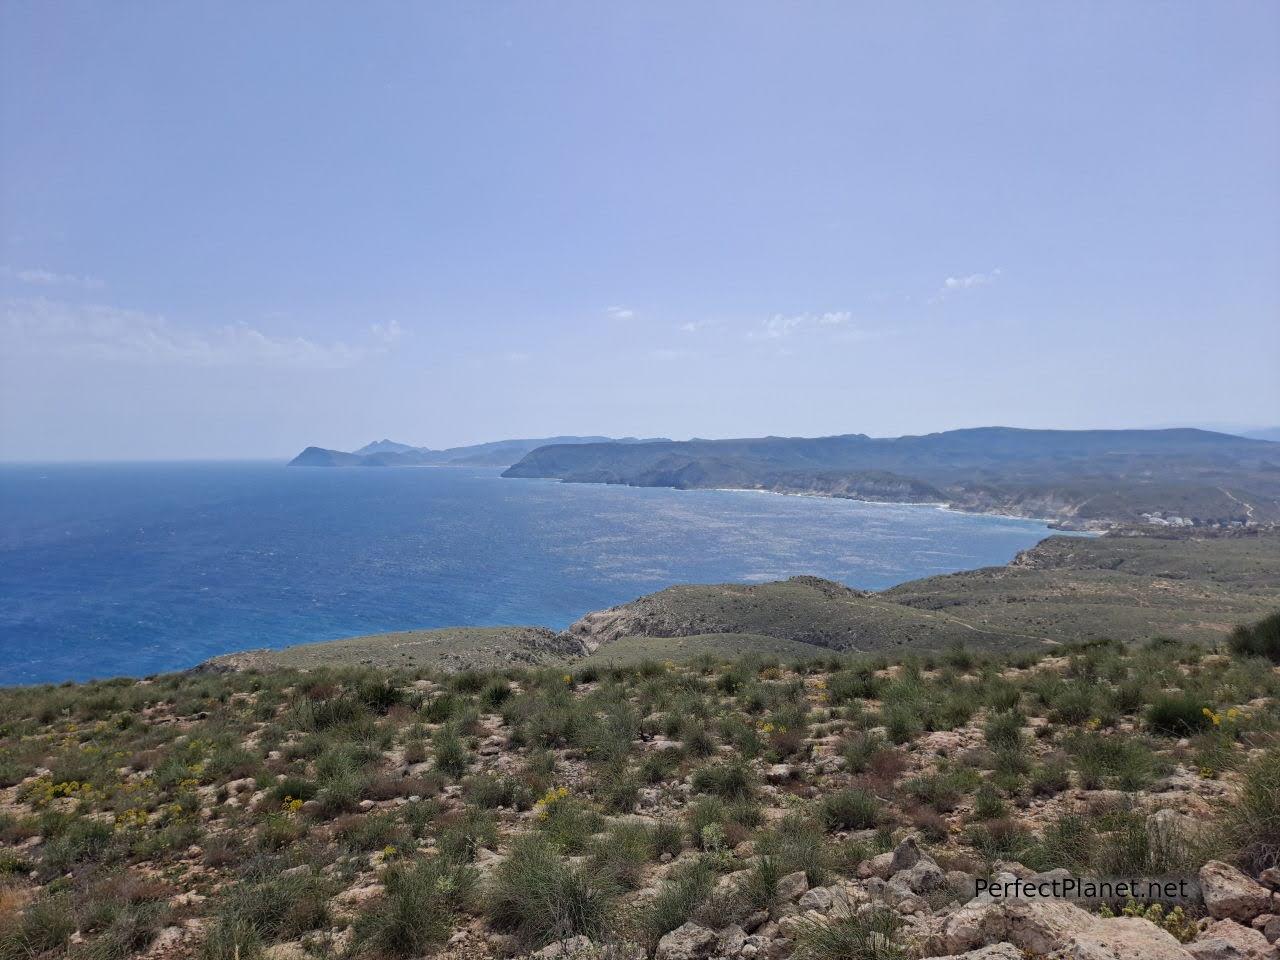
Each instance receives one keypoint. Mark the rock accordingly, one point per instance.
(566, 949)
(755, 920)
(729, 884)
(732, 939)
(998, 951)
(688, 942)
(1058, 928)
(285, 951)
(355, 895)
(780, 773)
(166, 939)
(922, 878)
(819, 898)
(792, 886)
(1123, 938)
(1228, 940)
(1013, 868)
(905, 856)
(910, 904)
(1167, 828)
(880, 866)
(945, 743)
(965, 885)
(1230, 895)
(1268, 924)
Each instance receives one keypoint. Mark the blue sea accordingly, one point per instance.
(133, 569)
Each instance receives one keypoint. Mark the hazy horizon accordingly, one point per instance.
(285, 457)
(229, 231)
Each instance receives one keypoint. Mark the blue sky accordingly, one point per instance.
(232, 229)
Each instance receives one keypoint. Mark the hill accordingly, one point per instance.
(388, 453)
(828, 808)
(448, 648)
(1086, 479)
(1067, 589)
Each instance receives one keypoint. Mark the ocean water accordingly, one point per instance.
(131, 569)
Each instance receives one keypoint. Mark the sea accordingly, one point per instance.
(131, 569)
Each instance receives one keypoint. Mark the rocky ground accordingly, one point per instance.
(834, 809)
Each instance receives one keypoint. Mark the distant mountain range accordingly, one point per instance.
(1269, 433)
(1085, 479)
(389, 453)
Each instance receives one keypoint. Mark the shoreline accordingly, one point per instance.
(815, 495)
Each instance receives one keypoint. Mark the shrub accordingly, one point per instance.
(798, 843)
(126, 932)
(1256, 820)
(850, 810)
(902, 721)
(699, 742)
(1101, 759)
(418, 910)
(1261, 639)
(703, 813)
(490, 790)
(659, 765)
(678, 899)
(81, 840)
(731, 780)
(464, 834)
(495, 693)
(865, 936)
(373, 831)
(943, 789)
(230, 939)
(540, 899)
(341, 793)
(1003, 730)
(617, 787)
(281, 908)
(451, 753)
(619, 857)
(859, 748)
(44, 925)
(988, 804)
(1001, 839)
(856, 683)
(1050, 778)
(1177, 715)
(567, 822)
(1074, 704)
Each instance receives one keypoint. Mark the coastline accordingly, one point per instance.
(1052, 523)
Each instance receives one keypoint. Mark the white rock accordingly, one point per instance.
(1231, 895)
(688, 942)
(793, 886)
(997, 951)
(1228, 940)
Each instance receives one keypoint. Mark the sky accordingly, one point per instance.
(234, 229)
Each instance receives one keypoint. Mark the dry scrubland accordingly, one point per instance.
(821, 809)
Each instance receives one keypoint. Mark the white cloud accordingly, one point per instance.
(107, 333)
(620, 313)
(784, 325)
(966, 282)
(48, 278)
